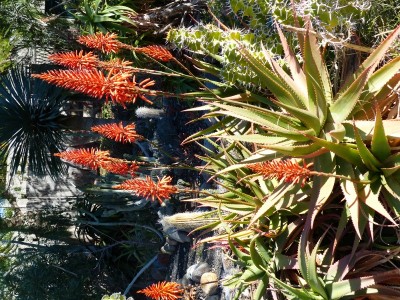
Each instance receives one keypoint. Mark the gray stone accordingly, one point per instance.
(194, 272)
(171, 241)
(209, 283)
(184, 281)
(177, 235)
(168, 249)
(213, 297)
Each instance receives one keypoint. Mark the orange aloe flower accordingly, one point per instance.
(149, 189)
(75, 60)
(116, 65)
(163, 291)
(120, 87)
(118, 132)
(156, 52)
(288, 170)
(92, 158)
(107, 43)
(118, 166)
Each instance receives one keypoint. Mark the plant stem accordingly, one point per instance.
(144, 268)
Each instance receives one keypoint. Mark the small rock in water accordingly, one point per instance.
(209, 283)
(171, 241)
(168, 249)
(194, 272)
(177, 235)
(213, 297)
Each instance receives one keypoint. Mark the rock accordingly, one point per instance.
(168, 249)
(171, 241)
(213, 297)
(194, 272)
(184, 281)
(209, 283)
(177, 235)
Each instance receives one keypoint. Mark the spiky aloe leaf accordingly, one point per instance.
(270, 79)
(371, 162)
(337, 290)
(294, 66)
(351, 191)
(263, 284)
(347, 99)
(275, 122)
(309, 119)
(317, 76)
(277, 195)
(347, 153)
(291, 86)
(380, 147)
(313, 279)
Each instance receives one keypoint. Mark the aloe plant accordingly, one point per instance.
(302, 117)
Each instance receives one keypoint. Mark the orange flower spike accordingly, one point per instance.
(149, 189)
(163, 291)
(118, 132)
(107, 43)
(92, 158)
(156, 52)
(116, 86)
(75, 60)
(120, 167)
(287, 170)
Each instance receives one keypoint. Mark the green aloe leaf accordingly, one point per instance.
(318, 82)
(371, 162)
(347, 99)
(254, 138)
(252, 273)
(313, 279)
(298, 294)
(379, 53)
(347, 153)
(306, 117)
(372, 193)
(351, 193)
(380, 145)
(277, 195)
(287, 81)
(337, 290)
(268, 78)
(294, 66)
(263, 284)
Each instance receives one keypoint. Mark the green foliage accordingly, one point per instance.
(98, 15)
(5, 53)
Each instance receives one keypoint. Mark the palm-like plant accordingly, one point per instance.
(31, 122)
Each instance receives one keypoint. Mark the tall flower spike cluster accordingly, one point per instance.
(92, 158)
(118, 132)
(156, 52)
(288, 170)
(163, 291)
(120, 167)
(75, 60)
(107, 43)
(95, 158)
(149, 189)
(120, 87)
